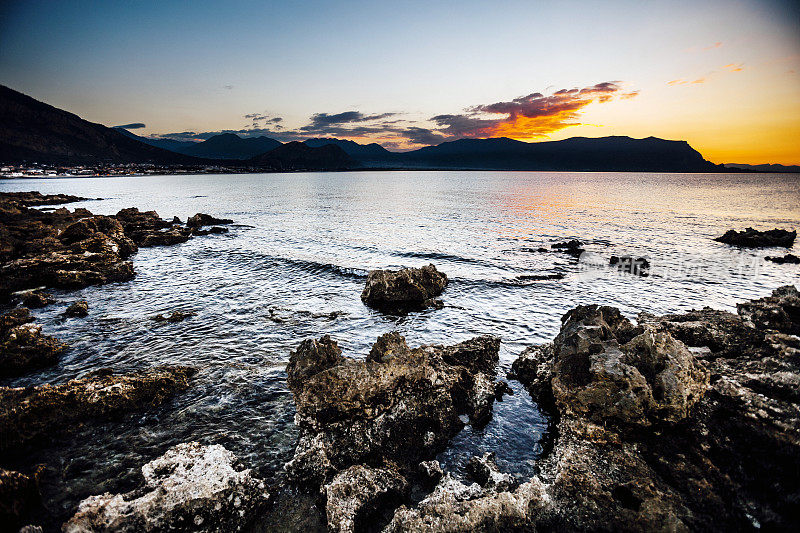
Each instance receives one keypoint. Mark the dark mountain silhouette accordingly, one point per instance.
(167, 144)
(231, 146)
(574, 154)
(361, 152)
(299, 156)
(34, 131)
(765, 168)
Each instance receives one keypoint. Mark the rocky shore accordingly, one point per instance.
(66, 249)
(679, 422)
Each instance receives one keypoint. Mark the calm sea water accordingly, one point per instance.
(294, 265)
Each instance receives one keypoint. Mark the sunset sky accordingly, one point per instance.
(724, 76)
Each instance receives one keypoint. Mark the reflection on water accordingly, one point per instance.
(295, 264)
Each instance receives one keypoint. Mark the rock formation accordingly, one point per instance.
(404, 290)
(365, 425)
(753, 238)
(74, 249)
(77, 309)
(190, 488)
(23, 346)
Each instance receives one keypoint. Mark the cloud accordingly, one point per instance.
(525, 117)
(132, 126)
(321, 120)
(713, 46)
(687, 82)
(734, 67)
(228, 87)
(531, 116)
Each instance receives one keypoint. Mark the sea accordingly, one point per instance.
(295, 262)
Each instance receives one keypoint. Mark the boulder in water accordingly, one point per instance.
(403, 290)
(753, 238)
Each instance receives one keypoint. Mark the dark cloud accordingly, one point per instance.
(320, 121)
(132, 126)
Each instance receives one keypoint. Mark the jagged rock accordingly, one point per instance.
(22, 345)
(458, 508)
(27, 413)
(19, 498)
(176, 316)
(190, 488)
(202, 219)
(534, 368)
(788, 259)
(32, 198)
(403, 290)
(646, 443)
(485, 471)
(780, 312)
(37, 299)
(752, 238)
(165, 238)
(356, 494)
(402, 405)
(77, 309)
(430, 472)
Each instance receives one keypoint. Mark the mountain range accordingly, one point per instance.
(33, 131)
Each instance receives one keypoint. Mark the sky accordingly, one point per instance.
(722, 75)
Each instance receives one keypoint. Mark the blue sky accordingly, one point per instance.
(200, 67)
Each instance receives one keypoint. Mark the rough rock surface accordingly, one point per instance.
(651, 436)
(753, 238)
(456, 507)
(19, 498)
(357, 493)
(22, 345)
(573, 247)
(67, 249)
(42, 411)
(400, 406)
(404, 290)
(190, 488)
(78, 309)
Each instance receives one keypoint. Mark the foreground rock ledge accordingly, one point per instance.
(402, 290)
(190, 488)
(44, 411)
(680, 423)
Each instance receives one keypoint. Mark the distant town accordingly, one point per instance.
(35, 170)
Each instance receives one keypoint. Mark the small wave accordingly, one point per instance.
(440, 256)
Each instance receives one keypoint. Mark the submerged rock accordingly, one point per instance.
(788, 259)
(484, 470)
(77, 309)
(573, 247)
(23, 347)
(638, 266)
(27, 413)
(176, 316)
(400, 406)
(405, 289)
(753, 238)
(190, 488)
